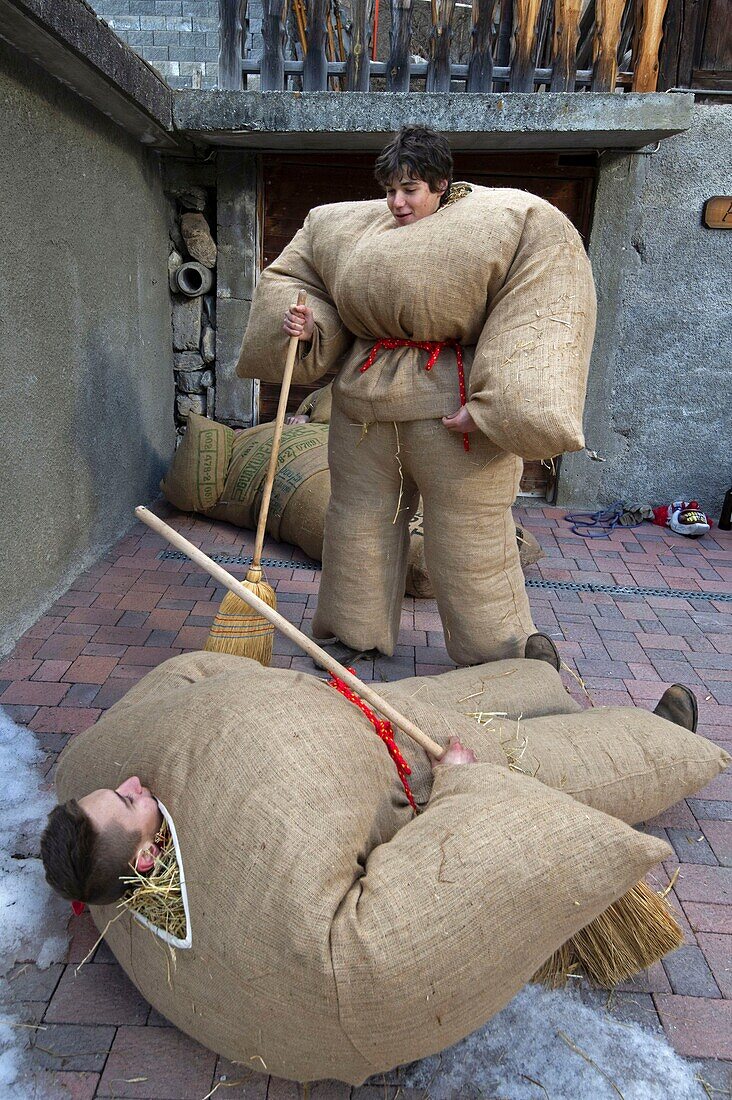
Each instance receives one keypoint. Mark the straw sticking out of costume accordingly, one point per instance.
(157, 896)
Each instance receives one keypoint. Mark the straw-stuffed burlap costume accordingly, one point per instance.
(503, 275)
(333, 934)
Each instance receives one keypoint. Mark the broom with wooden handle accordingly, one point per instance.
(239, 628)
(273, 617)
(633, 933)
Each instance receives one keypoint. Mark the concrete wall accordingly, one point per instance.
(180, 38)
(86, 380)
(660, 393)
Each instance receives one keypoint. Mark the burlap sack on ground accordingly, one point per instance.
(501, 271)
(318, 405)
(196, 476)
(220, 473)
(332, 935)
(303, 454)
(625, 761)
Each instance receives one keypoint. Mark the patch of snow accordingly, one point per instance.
(33, 919)
(521, 1055)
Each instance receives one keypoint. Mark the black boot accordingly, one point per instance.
(678, 705)
(541, 648)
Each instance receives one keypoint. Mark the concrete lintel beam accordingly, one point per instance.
(69, 41)
(342, 120)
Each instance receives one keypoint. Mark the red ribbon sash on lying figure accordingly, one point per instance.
(433, 347)
(385, 731)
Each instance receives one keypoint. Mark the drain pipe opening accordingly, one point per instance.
(193, 279)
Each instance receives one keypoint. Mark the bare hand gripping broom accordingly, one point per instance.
(634, 932)
(238, 627)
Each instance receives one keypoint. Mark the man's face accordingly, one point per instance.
(131, 807)
(411, 200)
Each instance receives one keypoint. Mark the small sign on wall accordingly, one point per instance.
(718, 212)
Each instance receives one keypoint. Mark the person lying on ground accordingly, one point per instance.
(90, 845)
(342, 904)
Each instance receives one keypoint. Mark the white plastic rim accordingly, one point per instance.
(166, 937)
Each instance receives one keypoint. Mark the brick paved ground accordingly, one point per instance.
(133, 610)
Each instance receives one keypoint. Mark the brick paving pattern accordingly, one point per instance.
(134, 609)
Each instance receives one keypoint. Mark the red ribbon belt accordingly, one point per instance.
(433, 347)
(384, 729)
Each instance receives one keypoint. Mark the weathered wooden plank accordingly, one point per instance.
(502, 52)
(645, 65)
(272, 74)
(398, 65)
(682, 35)
(586, 48)
(523, 58)
(339, 30)
(438, 65)
(715, 48)
(315, 68)
(358, 59)
(231, 18)
(544, 44)
(713, 80)
(566, 35)
(608, 14)
(480, 66)
(298, 8)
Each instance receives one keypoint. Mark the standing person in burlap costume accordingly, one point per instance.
(464, 318)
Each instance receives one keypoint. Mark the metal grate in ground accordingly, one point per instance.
(531, 582)
(626, 590)
(244, 559)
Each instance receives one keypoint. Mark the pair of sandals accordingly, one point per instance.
(677, 704)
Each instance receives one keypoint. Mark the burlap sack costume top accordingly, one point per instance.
(333, 934)
(500, 271)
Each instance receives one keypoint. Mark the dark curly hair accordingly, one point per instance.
(81, 863)
(420, 152)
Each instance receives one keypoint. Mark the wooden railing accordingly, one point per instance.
(514, 46)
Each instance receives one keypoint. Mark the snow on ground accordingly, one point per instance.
(33, 920)
(523, 1053)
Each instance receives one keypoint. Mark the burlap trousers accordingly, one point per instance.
(377, 474)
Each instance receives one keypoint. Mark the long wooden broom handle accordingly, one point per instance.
(275, 453)
(306, 644)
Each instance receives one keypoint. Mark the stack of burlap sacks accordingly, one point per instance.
(334, 935)
(220, 473)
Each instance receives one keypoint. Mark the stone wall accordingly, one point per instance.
(86, 379)
(658, 408)
(180, 38)
(192, 279)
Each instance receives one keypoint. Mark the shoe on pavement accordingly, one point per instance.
(678, 704)
(539, 647)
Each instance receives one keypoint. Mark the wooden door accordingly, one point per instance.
(293, 183)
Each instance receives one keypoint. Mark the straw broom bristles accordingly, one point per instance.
(240, 630)
(634, 932)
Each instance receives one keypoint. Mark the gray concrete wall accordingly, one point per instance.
(86, 380)
(180, 38)
(660, 392)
